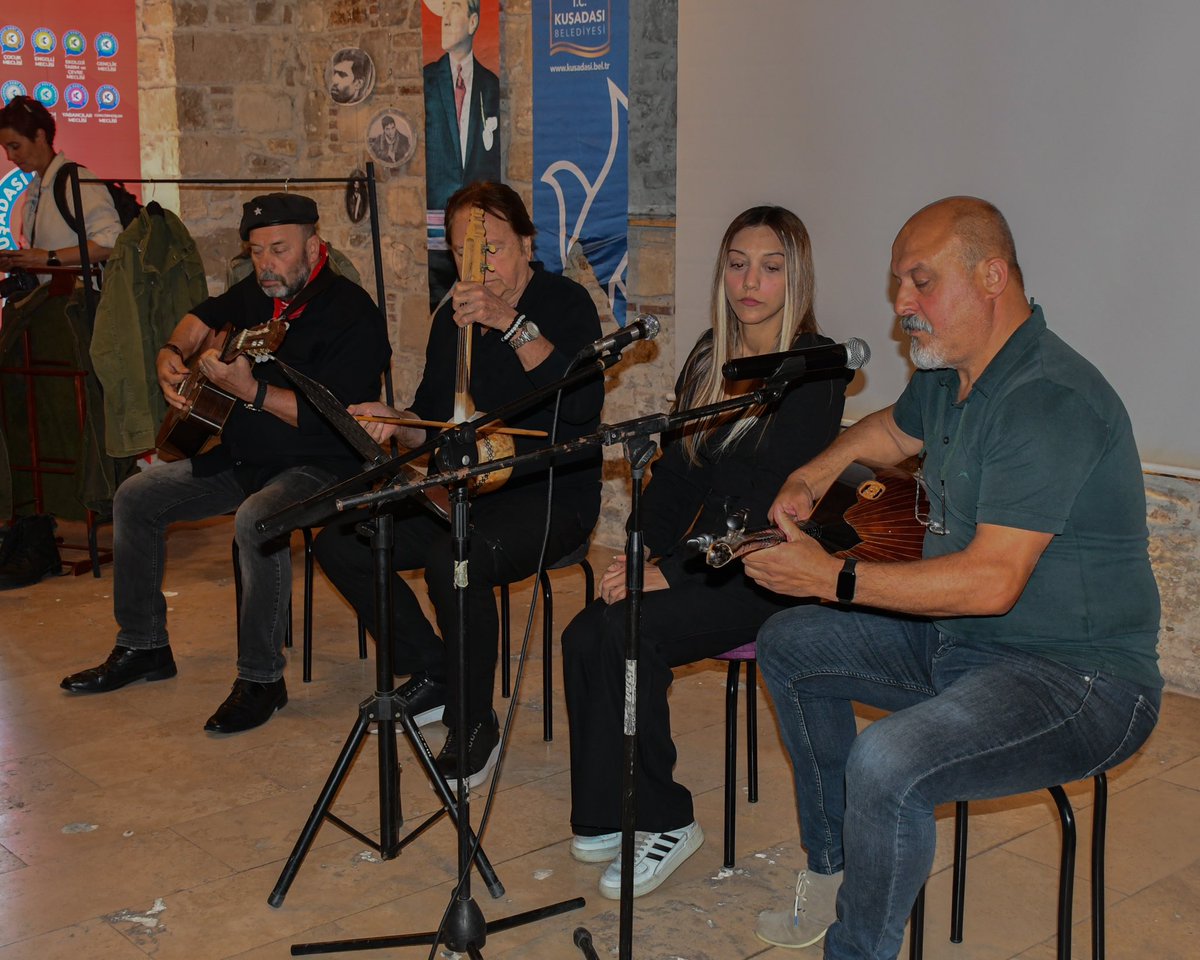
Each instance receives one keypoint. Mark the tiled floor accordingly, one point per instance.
(126, 832)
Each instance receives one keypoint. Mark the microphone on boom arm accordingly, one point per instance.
(851, 355)
(644, 327)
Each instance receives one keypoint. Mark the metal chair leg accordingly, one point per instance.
(547, 659)
(308, 603)
(958, 877)
(1066, 877)
(1099, 829)
(916, 927)
(731, 699)
(505, 643)
(752, 729)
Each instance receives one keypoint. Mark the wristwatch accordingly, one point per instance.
(526, 334)
(52, 259)
(847, 580)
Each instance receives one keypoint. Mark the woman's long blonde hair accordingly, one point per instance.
(702, 382)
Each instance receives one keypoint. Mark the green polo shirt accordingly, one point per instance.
(1043, 443)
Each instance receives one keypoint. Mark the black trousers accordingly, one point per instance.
(679, 625)
(506, 531)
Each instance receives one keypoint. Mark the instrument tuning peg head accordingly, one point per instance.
(736, 521)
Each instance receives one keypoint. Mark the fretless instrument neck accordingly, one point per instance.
(474, 270)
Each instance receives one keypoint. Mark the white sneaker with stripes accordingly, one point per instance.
(654, 859)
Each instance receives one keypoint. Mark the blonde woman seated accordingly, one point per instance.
(762, 302)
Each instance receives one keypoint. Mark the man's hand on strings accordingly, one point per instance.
(234, 378)
(486, 304)
(171, 372)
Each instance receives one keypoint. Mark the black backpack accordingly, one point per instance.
(126, 203)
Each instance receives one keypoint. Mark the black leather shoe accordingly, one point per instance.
(123, 666)
(426, 698)
(248, 705)
(483, 749)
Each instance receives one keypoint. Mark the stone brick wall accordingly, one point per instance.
(1173, 513)
(235, 88)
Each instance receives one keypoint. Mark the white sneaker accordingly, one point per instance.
(813, 912)
(599, 849)
(655, 858)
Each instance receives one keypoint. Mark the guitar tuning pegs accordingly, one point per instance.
(736, 521)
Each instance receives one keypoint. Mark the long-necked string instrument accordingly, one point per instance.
(868, 515)
(493, 444)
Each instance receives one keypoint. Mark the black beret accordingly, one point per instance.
(274, 208)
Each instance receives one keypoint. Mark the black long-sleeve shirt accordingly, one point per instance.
(684, 498)
(566, 316)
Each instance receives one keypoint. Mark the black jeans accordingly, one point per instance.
(679, 625)
(505, 537)
(150, 501)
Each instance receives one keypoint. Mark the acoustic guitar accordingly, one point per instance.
(185, 433)
(866, 514)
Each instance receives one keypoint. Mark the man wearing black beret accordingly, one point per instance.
(275, 450)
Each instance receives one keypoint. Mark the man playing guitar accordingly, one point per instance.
(275, 449)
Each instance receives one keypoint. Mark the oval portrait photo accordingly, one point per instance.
(390, 138)
(349, 75)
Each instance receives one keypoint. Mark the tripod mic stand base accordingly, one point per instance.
(465, 917)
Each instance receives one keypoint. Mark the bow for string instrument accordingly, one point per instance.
(493, 444)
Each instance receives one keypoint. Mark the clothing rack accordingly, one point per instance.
(86, 269)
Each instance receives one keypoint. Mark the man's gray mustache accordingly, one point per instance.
(910, 323)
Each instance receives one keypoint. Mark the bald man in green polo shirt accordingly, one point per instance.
(1019, 652)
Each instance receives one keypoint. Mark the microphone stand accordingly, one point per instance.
(464, 929)
(633, 434)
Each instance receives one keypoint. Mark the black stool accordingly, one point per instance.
(1066, 876)
(744, 654)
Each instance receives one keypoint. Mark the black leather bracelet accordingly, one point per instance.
(261, 397)
(847, 581)
(512, 328)
(175, 350)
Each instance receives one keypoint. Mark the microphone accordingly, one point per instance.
(851, 355)
(645, 327)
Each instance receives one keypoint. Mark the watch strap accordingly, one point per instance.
(527, 333)
(261, 396)
(847, 580)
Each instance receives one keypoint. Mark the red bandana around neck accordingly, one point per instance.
(281, 306)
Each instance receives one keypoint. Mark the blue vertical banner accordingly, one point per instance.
(581, 137)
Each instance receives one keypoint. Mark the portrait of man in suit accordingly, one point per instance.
(462, 117)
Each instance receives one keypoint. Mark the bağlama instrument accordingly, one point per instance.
(493, 444)
(866, 514)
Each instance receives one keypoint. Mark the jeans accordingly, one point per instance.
(970, 722)
(148, 502)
